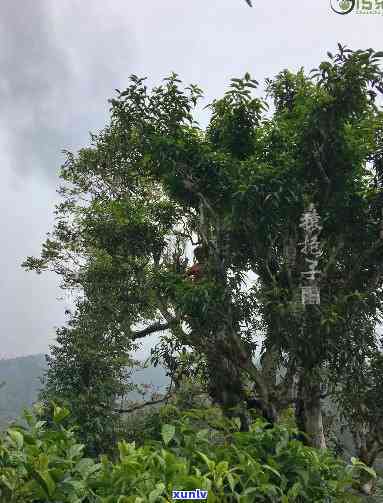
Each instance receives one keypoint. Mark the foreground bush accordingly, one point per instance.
(40, 464)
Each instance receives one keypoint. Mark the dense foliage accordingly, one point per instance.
(40, 464)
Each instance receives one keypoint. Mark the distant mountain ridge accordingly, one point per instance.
(22, 375)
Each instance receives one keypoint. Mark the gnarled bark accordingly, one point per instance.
(308, 413)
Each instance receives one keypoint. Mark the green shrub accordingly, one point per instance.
(40, 464)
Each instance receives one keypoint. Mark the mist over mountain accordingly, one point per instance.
(22, 381)
(21, 377)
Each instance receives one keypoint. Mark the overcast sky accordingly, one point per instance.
(60, 61)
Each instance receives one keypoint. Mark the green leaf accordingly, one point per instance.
(203, 435)
(75, 450)
(295, 491)
(86, 467)
(369, 470)
(156, 492)
(360, 465)
(250, 490)
(237, 422)
(231, 481)
(10, 484)
(45, 480)
(210, 463)
(222, 467)
(77, 485)
(273, 470)
(17, 438)
(59, 413)
(40, 424)
(167, 432)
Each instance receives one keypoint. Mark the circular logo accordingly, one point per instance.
(342, 6)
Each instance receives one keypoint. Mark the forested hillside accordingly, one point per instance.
(21, 377)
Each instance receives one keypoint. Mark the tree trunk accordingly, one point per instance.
(226, 388)
(368, 487)
(308, 413)
(314, 424)
(368, 448)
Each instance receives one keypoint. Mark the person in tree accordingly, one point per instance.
(198, 269)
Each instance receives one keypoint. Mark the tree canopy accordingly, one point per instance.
(154, 185)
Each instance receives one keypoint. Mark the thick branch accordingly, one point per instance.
(268, 259)
(318, 150)
(287, 388)
(156, 327)
(145, 404)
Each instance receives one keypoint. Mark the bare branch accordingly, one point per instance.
(188, 236)
(318, 151)
(145, 404)
(156, 327)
